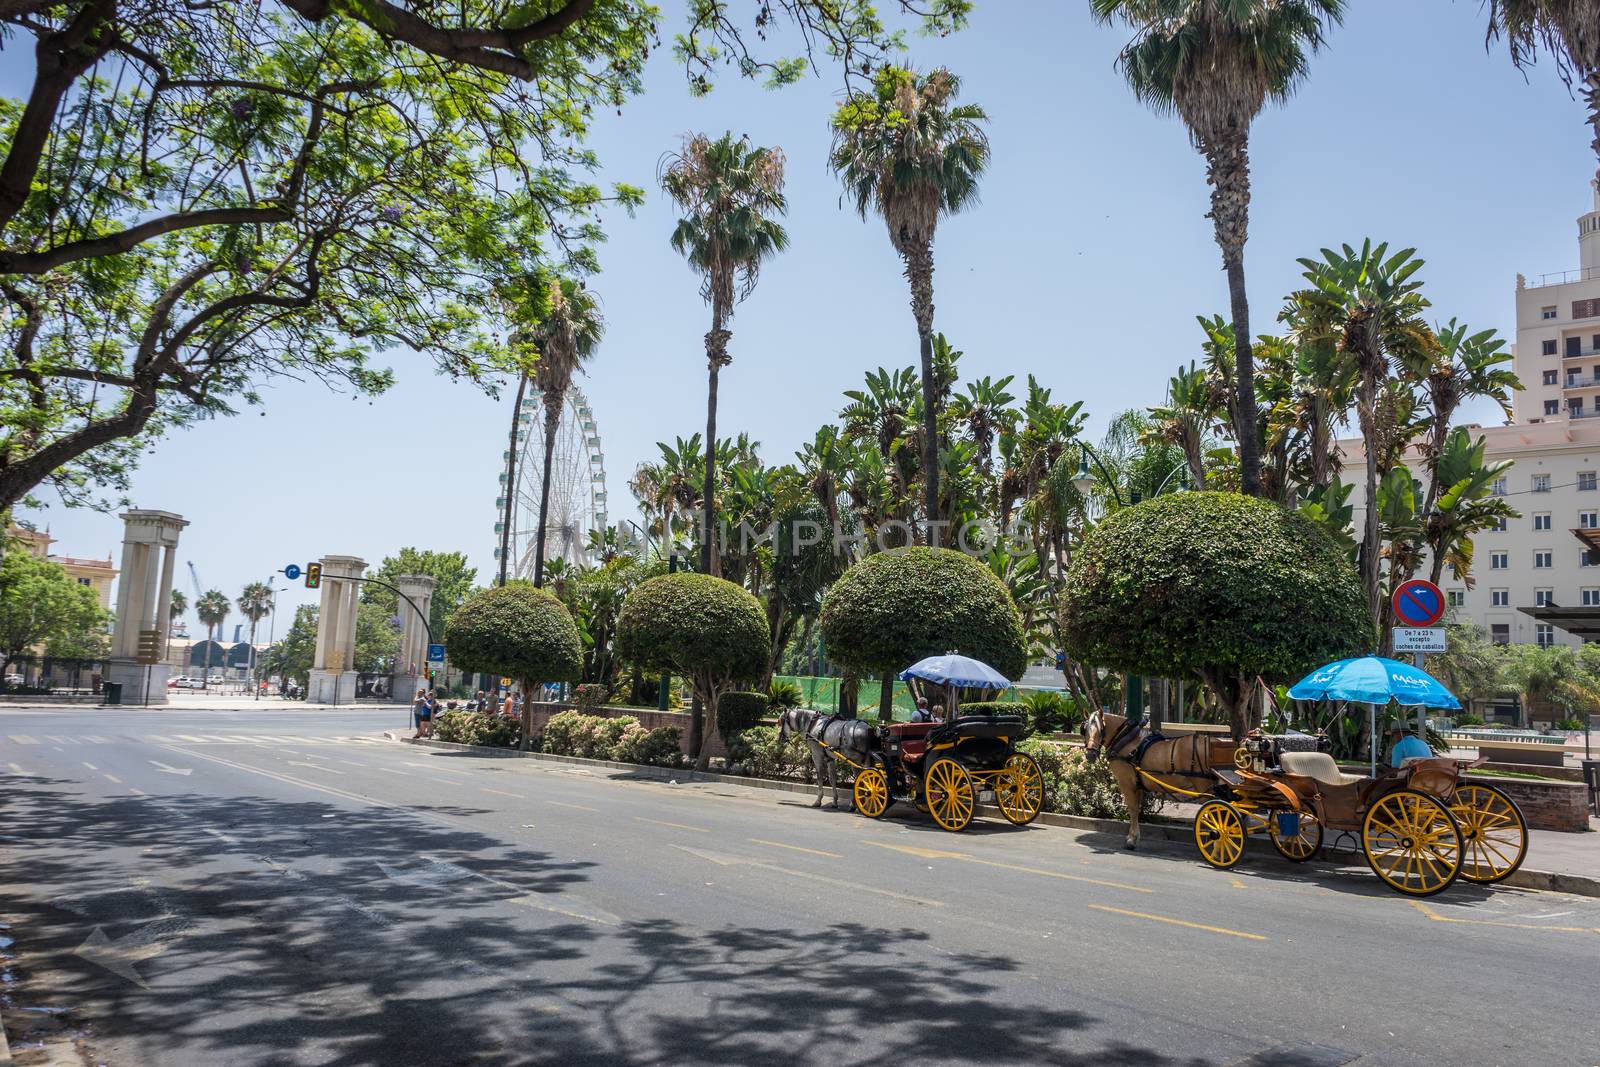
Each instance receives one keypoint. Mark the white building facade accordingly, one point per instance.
(1540, 559)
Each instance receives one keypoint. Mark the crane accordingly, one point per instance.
(199, 594)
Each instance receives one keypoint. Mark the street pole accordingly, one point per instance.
(666, 679)
(272, 625)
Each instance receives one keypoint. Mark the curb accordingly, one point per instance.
(1165, 829)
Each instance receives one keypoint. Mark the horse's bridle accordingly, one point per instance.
(1110, 749)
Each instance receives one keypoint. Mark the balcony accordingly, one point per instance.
(1575, 382)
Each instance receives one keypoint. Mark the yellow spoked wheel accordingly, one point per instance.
(950, 796)
(1300, 845)
(872, 792)
(1019, 789)
(1412, 842)
(1493, 833)
(1219, 833)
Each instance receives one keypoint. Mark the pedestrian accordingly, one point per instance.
(920, 712)
(508, 706)
(1406, 746)
(419, 704)
(481, 701)
(429, 703)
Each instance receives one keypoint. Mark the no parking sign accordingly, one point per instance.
(1418, 602)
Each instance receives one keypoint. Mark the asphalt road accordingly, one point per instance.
(284, 887)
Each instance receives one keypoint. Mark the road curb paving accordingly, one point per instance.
(1165, 829)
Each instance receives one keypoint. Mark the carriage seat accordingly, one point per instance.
(912, 738)
(1318, 766)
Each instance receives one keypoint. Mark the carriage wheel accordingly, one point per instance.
(1493, 831)
(872, 791)
(1412, 842)
(1299, 846)
(1019, 789)
(948, 790)
(1219, 833)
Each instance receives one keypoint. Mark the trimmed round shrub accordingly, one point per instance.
(698, 626)
(518, 631)
(895, 608)
(737, 712)
(1216, 585)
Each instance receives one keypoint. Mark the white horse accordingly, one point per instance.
(849, 737)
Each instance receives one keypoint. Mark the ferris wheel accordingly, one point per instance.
(577, 485)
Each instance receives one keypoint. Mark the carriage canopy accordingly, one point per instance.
(951, 669)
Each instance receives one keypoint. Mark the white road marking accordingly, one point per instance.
(726, 860)
(137, 792)
(165, 769)
(97, 739)
(23, 739)
(91, 766)
(114, 779)
(18, 770)
(314, 766)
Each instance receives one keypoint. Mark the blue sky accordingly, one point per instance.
(1085, 265)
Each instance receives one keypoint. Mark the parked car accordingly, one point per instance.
(15, 679)
(176, 681)
(194, 683)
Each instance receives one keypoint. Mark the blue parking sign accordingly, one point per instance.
(435, 653)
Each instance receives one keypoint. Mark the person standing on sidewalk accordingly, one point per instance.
(419, 704)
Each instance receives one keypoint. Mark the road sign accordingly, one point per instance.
(149, 650)
(292, 571)
(1418, 602)
(1419, 639)
(435, 654)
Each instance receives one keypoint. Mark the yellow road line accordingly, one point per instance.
(676, 825)
(938, 854)
(564, 804)
(501, 792)
(797, 848)
(1436, 917)
(1236, 883)
(1178, 922)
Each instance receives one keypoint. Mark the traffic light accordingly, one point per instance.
(313, 575)
(431, 675)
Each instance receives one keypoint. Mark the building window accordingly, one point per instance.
(1552, 407)
(1499, 598)
(1589, 520)
(1542, 597)
(1549, 347)
(1590, 597)
(1544, 635)
(1541, 483)
(1499, 561)
(1549, 377)
(1589, 558)
(1500, 633)
(1543, 560)
(1455, 598)
(1574, 346)
(85, 581)
(1541, 521)
(1499, 525)
(1586, 480)
(1499, 486)
(1547, 312)
(1596, 340)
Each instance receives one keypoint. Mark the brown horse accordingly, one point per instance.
(1183, 761)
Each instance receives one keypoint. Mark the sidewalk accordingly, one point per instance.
(200, 700)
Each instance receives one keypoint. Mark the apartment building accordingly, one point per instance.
(96, 574)
(1547, 560)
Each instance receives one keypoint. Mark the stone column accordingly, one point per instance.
(333, 676)
(144, 604)
(411, 667)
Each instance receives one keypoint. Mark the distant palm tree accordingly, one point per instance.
(1217, 63)
(1464, 366)
(728, 191)
(1568, 29)
(180, 604)
(255, 604)
(1188, 417)
(906, 154)
(211, 609)
(566, 337)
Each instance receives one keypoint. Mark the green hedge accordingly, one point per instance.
(623, 739)
(518, 631)
(994, 707)
(692, 623)
(737, 712)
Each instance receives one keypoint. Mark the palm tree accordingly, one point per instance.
(566, 337)
(180, 604)
(211, 609)
(1369, 305)
(984, 411)
(1464, 366)
(1464, 504)
(1217, 63)
(728, 190)
(904, 152)
(1188, 418)
(255, 604)
(1568, 29)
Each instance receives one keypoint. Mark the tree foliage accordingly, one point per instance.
(1217, 586)
(894, 608)
(515, 630)
(40, 603)
(452, 582)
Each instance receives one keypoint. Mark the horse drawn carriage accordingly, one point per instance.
(943, 768)
(1420, 826)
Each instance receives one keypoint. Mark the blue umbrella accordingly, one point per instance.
(1373, 680)
(951, 669)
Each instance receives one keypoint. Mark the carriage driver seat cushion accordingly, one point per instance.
(1318, 766)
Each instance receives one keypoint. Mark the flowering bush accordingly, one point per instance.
(763, 757)
(590, 696)
(573, 733)
(661, 747)
(476, 728)
(1073, 785)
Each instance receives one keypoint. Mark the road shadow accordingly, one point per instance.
(248, 930)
